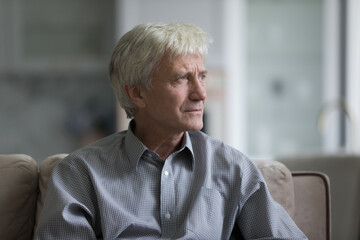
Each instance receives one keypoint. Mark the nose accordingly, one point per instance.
(198, 90)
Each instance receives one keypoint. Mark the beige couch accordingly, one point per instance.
(344, 173)
(305, 195)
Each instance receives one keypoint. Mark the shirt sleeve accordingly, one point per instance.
(261, 217)
(69, 211)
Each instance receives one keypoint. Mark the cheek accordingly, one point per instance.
(166, 105)
(174, 100)
(169, 100)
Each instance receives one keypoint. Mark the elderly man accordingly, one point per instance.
(162, 178)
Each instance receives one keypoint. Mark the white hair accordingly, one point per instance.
(139, 51)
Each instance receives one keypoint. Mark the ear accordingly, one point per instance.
(135, 95)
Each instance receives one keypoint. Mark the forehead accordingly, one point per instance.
(189, 62)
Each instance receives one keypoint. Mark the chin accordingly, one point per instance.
(195, 127)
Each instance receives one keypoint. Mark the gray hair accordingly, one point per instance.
(139, 51)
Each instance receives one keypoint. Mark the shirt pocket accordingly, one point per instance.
(206, 214)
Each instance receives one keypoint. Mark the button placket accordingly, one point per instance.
(167, 204)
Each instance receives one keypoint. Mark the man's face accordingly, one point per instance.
(175, 102)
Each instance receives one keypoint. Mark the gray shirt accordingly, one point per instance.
(117, 188)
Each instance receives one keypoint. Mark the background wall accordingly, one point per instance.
(285, 76)
(54, 89)
(44, 117)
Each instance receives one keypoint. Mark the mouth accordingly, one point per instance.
(197, 110)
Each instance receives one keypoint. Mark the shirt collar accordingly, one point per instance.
(188, 145)
(135, 148)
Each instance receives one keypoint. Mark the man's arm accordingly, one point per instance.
(261, 217)
(69, 209)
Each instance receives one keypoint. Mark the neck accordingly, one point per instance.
(162, 143)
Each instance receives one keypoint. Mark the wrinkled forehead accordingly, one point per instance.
(183, 62)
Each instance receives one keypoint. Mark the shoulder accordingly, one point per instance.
(218, 154)
(225, 165)
(98, 153)
(211, 145)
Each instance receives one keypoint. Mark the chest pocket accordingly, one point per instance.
(206, 214)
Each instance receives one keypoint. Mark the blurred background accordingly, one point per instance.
(283, 79)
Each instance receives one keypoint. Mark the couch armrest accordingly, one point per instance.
(19, 186)
(312, 204)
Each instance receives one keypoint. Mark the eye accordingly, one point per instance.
(182, 77)
(203, 76)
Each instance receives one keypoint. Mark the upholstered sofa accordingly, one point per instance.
(23, 182)
(343, 171)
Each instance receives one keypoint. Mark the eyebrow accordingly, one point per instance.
(189, 72)
(182, 74)
(204, 72)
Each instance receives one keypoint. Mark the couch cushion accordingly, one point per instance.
(18, 193)
(280, 183)
(45, 171)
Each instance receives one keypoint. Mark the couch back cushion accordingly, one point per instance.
(279, 180)
(19, 187)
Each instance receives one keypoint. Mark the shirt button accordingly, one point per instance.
(166, 173)
(167, 215)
